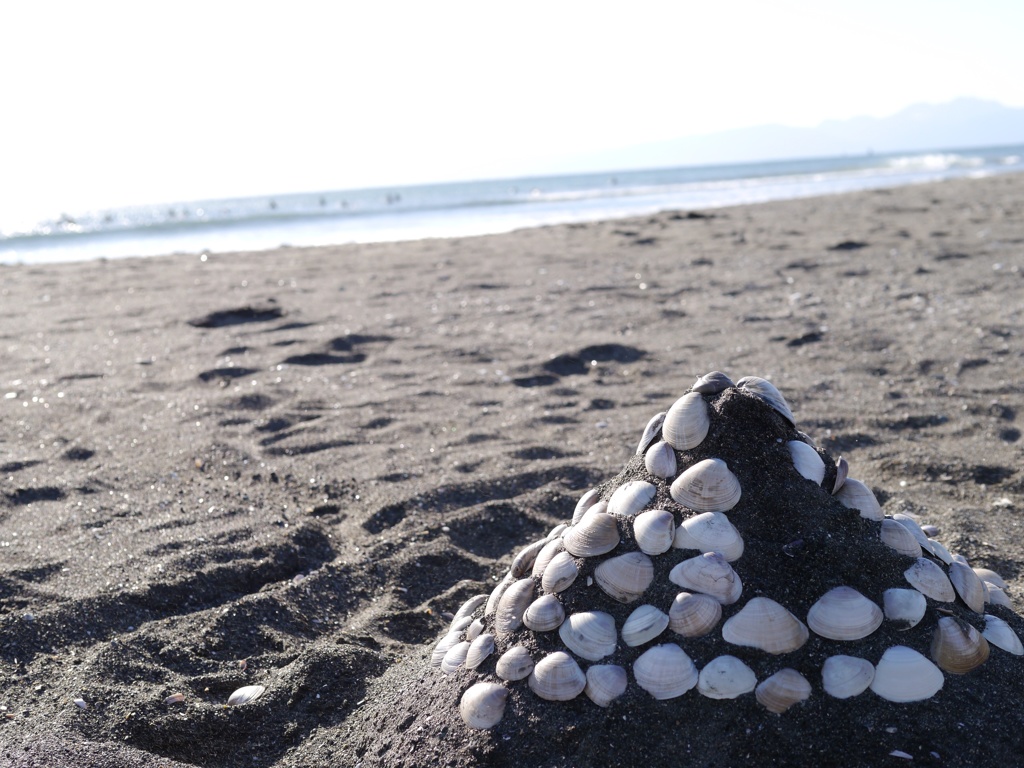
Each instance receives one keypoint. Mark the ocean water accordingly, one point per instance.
(466, 208)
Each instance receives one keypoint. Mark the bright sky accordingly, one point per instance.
(108, 103)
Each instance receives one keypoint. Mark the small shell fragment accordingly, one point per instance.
(175, 698)
(80, 703)
(245, 694)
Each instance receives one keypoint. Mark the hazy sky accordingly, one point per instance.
(107, 103)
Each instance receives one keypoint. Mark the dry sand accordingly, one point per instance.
(283, 468)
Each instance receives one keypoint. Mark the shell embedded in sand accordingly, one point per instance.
(245, 694)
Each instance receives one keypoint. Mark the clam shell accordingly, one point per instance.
(928, 578)
(544, 557)
(992, 577)
(712, 383)
(967, 584)
(629, 498)
(473, 630)
(957, 647)
(245, 694)
(605, 683)
(687, 422)
(710, 532)
(855, 495)
(726, 677)
(996, 596)
(512, 605)
(654, 531)
(587, 500)
(496, 593)
(514, 664)
(782, 690)
(707, 486)
(460, 623)
(806, 461)
(625, 577)
(904, 605)
(903, 674)
(665, 671)
(709, 574)
(555, 533)
(559, 573)
(557, 677)
(911, 525)
(846, 676)
(694, 615)
(931, 531)
(644, 624)
(767, 392)
(523, 562)
(660, 460)
(483, 704)
(843, 613)
(897, 536)
(842, 472)
(764, 624)
(455, 657)
(596, 534)
(544, 614)
(442, 647)
(469, 607)
(651, 431)
(479, 650)
(940, 551)
(589, 634)
(999, 634)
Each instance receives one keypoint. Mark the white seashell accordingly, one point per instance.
(660, 460)
(523, 562)
(806, 461)
(555, 533)
(629, 498)
(469, 607)
(843, 613)
(897, 536)
(969, 586)
(650, 432)
(560, 573)
(442, 647)
(846, 676)
(625, 577)
(589, 634)
(929, 579)
(709, 574)
(496, 593)
(999, 634)
(992, 577)
(726, 677)
(596, 534)
(587, 500)
(483, 705)
(694, 615)
(245, 694)
(904, 605)
(605, 683)
(707, 486)
(710, 532)
(544, 614)
(903, 674)
(643, 625)
(514, 664)
(855, 495)
(957, 647)
(557, 677)
(842, 472)
(654, 531)
(175, 698)
(782, 690)
(766, 392)
(712, 383)
(479, 650)
(460, 623)
(455, 658)
(687, 422)
(544, 557)
(931, 531)
(474, 629)
(512, 606)
(940, 551)
(665, 671)
(911, 525)
(996, 596)
(764, 624)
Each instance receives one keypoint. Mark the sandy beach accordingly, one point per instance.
(289, 468)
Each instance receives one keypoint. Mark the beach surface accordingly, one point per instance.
(288, 468)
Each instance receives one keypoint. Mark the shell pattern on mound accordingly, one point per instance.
(727, 506)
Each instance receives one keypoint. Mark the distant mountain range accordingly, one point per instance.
(959, 124)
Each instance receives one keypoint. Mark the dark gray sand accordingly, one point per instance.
(284, 469)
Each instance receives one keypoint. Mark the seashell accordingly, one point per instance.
(560, 573)
(442, 647)
(523, 562)
(710, 532)
(455, 657)
(764, 624)
(897, 536)
(643, 624)
(483, 704)
(903, 674)
(557, 677)
(843, 613)
(694, 615)
(957, 647)
(712, 383)
(469, 607)
(726, 677)
(687, 422)
(806, 461)
(625, 577)
(846, 676)
(904, 605)
(660, 460)
(512, 606)
(651, 431)
(931, 531)
(544, 614)
(929, 579)
(991, 577)
(514, 664)
(605, 683)
(709, 574)
(245, 694)
(996, 596)
(459, 624)
(999, 634)
(855, 495)
(496, 593)
(911, 525)
(544, 557)
(767, 392)
(596, 534)
(479, 650)
(474, 629)
(555, 533)
(940, 551)
(629, 498)
(842, 472)
(587, 500)
(665, 671)
(654, 531)
(969, 586)
(175, 698)
(707, 486)
(589, 634)
(782, 690)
